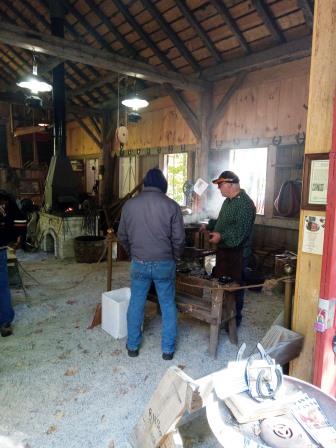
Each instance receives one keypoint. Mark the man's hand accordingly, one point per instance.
(203, 228)
(215, 237)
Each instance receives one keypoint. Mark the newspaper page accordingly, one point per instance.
(310, 416)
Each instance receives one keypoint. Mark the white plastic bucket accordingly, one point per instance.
(114, 311)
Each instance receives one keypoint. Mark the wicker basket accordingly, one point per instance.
(88, 249)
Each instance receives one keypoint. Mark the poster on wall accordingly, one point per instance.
(313, 234)
(318, 182)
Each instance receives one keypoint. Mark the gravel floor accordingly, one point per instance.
(62, 385)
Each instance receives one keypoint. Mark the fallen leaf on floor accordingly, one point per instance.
(59, 415)
(116, 352)
(181, 366)
(71, 301)
(51, 429)
(64, 355)
(72, 371)
(38, 331)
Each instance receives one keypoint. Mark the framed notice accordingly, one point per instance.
(315, 181)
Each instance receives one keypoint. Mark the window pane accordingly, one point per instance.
(176, 172)
(250, 165)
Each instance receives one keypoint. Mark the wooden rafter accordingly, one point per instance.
(138, 29)
(186, 112)
(286, 52)
(308, 12)
(19, 98)
(74, 51)
(76, 70)
(199, 30)
(96, 126)
(226, 15)
(265, 14)
(120, 38)
(7, 67)
(91, 85)
(46, 24)
(171, 34)
(88, 131)
(217, 115)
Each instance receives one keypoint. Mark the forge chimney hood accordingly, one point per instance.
(61, 185)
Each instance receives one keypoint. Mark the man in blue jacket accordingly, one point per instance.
(12, 226)
(151, 230)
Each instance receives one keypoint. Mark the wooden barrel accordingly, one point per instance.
(89, 249)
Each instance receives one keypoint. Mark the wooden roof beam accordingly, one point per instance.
(171, 34)
(186, 112)
(226, 15)
(199, 30)
(91, 85)
(308, 12)
(19, 98)
(138, 29)
(70, 29)
(217, 115)
(265, 14)
(286, 52)
(74, 51)
(87, 130)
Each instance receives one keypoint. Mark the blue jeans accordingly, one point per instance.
(163, 274)
(6, 309)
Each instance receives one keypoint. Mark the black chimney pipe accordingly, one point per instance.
(57, 29)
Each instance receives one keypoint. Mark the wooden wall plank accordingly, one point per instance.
(270, 103)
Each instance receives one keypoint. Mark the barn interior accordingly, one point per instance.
(241, 85)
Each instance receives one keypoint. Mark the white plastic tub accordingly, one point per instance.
(114, 311)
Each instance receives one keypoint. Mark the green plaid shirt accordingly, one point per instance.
(235, 222)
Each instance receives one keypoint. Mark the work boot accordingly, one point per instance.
(168, 356)
(6, 330)
(132, 353)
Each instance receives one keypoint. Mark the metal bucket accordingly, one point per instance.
(89, 249)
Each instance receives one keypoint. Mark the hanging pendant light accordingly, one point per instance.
(134, 101)
(33, 82)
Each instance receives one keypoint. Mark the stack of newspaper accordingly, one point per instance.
(245, 409)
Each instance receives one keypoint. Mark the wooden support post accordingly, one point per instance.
(288, 302)
(109, 242)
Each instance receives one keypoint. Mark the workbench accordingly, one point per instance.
(207, 301)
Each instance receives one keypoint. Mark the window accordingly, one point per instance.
(250, 165)
(176, 172)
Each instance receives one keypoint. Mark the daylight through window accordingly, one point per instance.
(250, 164)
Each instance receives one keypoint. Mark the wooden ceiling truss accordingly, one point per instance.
(169, 46)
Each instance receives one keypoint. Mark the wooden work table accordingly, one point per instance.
(207, 301)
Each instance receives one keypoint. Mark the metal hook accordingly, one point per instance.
(276, 140)
(300, 138)
(255, 141)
